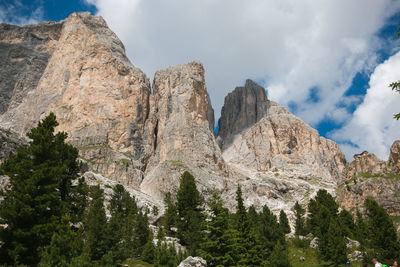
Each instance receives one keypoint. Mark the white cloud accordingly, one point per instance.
(292, 45)
(372, 126)
(11, 13)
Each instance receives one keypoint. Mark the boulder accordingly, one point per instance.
(193, 261)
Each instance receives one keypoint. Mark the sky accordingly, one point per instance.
(329, 62)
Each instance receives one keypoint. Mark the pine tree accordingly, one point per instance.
(347, 223)
(215, 245)
(279, 256)
(300, 222)
(142, 234)
(95, 225)
(336, 250)
(322, 199)
(284, 222)
(383, 234)
(250, 251)
(171, 215)
(269, 231)
(189, 207)
(41, 175)
(65, 245)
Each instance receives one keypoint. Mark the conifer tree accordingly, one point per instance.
(95, 225)
(41, 175)
(142, 234)
(279, 256)
(284, 223)
(171, 215)
(269, 231)
(383, 236)
(250, 251)
(300, 221)
(347, 223)
(65, 245)
(336, 250)
(189, 207)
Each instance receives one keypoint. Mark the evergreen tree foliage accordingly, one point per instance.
(65, 245)
(189, 207)
(347, 223)
(142, 234)
(269, 231)
(279, 256)
(322, 199)
(41, 176)
(171, 215)
(120, 229)
(383, 235)
(284, 223)
(95, 225)
(336, 250)
(247, 246)
(300, 225)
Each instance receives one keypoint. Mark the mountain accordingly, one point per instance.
(145, 135)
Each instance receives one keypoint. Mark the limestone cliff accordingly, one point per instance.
(368, 176)
(100, 99)
(182, 119)
(242, 108)
(24, 55)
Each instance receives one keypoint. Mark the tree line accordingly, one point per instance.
(51, 217)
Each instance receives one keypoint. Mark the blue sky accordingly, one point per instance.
(329, 62)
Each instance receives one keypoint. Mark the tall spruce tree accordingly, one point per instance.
(189, 206)
(383, 234)
(336, 250)
(41, 176)
(250, 251)
(300, 225)
(284, 223)
(171, 215)
(95, 225)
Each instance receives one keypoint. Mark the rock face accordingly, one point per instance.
(242, 108)
(368, 176)
(281, 141)
(24, 55)
(384, 190)
(182, 119)
(99, 98)
(9, 142)
(394, 157)
(364, 163)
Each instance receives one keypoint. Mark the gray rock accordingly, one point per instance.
(355, 256)
(24, 55)
(242, 108)
(9, 142)
(394, 157)
(193, 261)
(350, 243)
(314, 243)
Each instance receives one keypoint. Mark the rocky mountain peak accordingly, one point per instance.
(242, 108)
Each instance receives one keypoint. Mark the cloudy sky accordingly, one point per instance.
(329, 62)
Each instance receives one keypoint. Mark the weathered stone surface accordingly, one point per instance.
(9, 142)
(384, 190)
(183, 130)
(242, 108)
(364, 164)
(193, 261)
(394, 157)
(99, 98)
(283, 142)
(24, 55)
(368, 176)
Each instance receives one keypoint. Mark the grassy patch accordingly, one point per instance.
(92, 147)
(177, 163)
